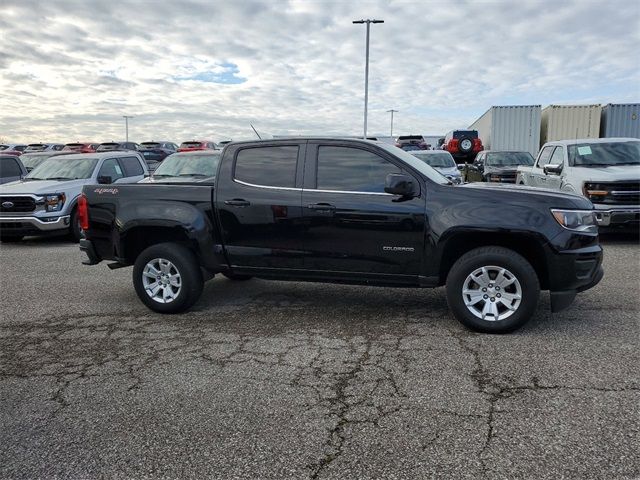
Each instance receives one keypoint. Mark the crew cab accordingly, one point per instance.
(346, 211)
(605, 170)
(45, 201)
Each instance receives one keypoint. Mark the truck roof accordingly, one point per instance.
(592, 140)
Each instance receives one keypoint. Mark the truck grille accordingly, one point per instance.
(618, 193)
(17, 204)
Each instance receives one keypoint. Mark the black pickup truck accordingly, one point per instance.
(346, 211)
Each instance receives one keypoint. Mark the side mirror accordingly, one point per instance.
(552, 169)
(400, 184)
(104, 180)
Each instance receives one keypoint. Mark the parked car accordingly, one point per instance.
(44, 147)
(464, 145)
(157, 151)
(31, 160)
(495, 166)
(11, 168)
(111, 146)
(15, 149)
(411, 142)
(330, 204)
(441, 161)
(198, 166)
(81, 147)
(197, 145)
(45, 201)
(605, 170)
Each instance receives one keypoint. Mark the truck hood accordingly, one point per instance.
(39, 187)
(607, 174)
(531, 193)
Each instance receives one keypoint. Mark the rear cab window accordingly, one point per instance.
(269, 166)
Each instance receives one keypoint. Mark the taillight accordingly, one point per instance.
(477, 145)
(452, 146)
(83, 212)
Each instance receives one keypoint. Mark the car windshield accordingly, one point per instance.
(508, 159)
(63, 168)
(437, 160)
(604, 154)
(177, 165)
(30, 160)
(428, 171)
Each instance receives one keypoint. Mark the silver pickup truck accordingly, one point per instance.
(605, 170)
(44, 201)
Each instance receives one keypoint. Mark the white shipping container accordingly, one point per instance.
(512, 127)
(566, 122)
(620, 120)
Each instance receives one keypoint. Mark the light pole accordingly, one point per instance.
(126, 125)
(392, 111)
(366, 71)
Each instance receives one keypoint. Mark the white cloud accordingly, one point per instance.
(74, 68)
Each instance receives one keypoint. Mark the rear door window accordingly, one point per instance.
(132, 167)
(350, 169)
(267, 166)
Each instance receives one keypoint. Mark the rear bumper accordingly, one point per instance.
(34, 225)
(87, 248)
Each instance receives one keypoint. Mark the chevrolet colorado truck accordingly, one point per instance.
(605, 170)
(346, 211)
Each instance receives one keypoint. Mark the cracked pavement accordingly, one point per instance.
(300, 380)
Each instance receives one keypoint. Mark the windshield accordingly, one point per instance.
(419, 165)
(64, 168)
(604, 154)
(177, 165)
(508, 159)
(30, 160)
(437, 160)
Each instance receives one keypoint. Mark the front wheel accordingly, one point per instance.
(167, 278)
(492, 290)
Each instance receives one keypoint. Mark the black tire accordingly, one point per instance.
(237, 277)
(4, 238)
(465, 150)
(75, 232)
(501, 257)
(186, 265)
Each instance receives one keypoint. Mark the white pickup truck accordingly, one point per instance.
(605, 170)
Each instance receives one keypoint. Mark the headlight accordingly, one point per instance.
(583, 221)
(595, 192)
(54, 202)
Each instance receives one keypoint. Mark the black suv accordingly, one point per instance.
(157, 151)
(411, 142)
(464, 145)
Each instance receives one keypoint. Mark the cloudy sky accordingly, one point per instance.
(69, 70)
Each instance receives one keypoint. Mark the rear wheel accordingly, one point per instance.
(492, 290)
(167, 278)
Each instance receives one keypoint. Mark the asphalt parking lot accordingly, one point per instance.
(299, 380)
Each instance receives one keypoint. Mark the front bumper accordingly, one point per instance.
(620, 216)
(30, 225)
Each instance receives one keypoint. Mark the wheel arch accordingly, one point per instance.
(529, 246)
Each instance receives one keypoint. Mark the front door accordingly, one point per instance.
(351, 224)
(258, 204)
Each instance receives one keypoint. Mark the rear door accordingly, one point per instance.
(351, 224)
(258, 202)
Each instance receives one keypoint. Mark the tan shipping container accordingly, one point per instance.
(566, 122)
